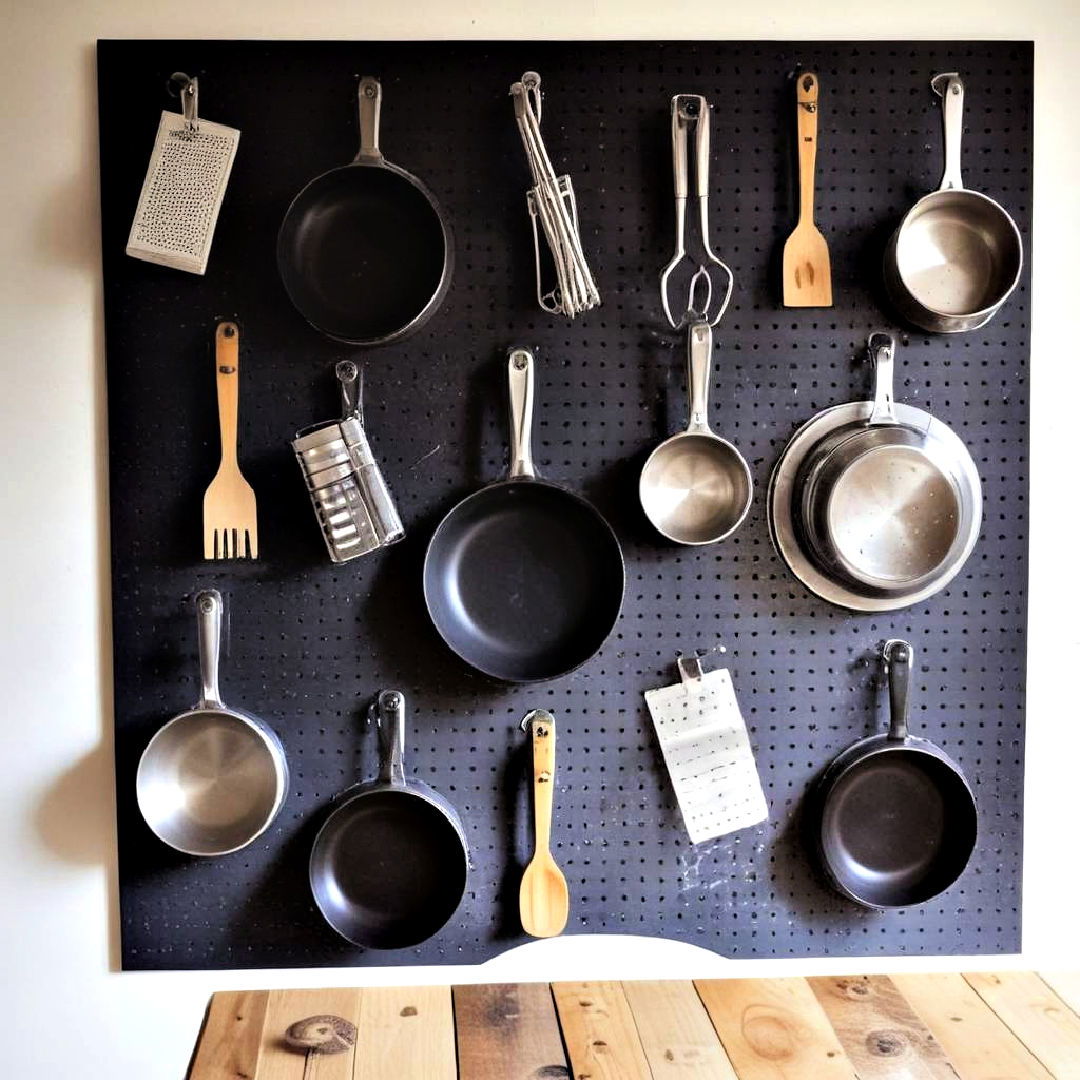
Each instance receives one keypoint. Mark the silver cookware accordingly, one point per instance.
(213, 778)
(957, 255)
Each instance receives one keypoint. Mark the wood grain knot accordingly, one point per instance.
(769, 1035)
(409, 1010)
(885, 1043)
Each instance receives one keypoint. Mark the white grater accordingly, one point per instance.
(184, 186)
(707, 752)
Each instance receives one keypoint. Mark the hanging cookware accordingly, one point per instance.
(524, 579)
(957, 254)
(364, 251)
(875, 505)
(896, 820)
(213, 778)
(389, 865)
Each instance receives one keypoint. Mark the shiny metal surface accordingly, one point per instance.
(695, 487)
(213, 778)
(957, 254)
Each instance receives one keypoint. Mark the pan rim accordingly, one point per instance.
(482, 492)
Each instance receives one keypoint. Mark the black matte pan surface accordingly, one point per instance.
(524, 580)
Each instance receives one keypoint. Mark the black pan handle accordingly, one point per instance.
(370, 110)
(390, 716)
(520, 380)
(899, 659)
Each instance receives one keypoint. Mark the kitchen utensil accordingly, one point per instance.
(544, 899)
(957, 254)
(390, 863)
(706, 748)
(364, 251)
(213, 778)
(230, 519)
(352, 503)
(523, 579)
(875, 505)
(551, 199)
(184, 186)
(696, 487)
(896, 821)
(318, 1035)
(807, 274)
(692, 111)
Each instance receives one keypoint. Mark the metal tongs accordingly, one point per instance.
(692, 110)
(551, 199)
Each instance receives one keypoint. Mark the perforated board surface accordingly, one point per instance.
(309, 643)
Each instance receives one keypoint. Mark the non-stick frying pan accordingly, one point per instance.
(524, 579)
(897, 818)
(364, 251)
(389, 865)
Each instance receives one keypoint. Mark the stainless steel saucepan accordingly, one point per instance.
(957, 254)
(213, 778)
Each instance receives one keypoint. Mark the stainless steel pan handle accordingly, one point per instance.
(390, 716)
(881, 348)
(521, 379)
(899, 659)
(208, 608)
(950, 88)
(699, 357)
(370, 92)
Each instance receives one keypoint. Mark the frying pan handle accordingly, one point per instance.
(390, 716)
(881, 348)
(899, 659)
(950, 88)
(370, 92)
(208, 608)
(520, 379)
(699, 349)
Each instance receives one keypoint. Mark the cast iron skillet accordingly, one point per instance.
(897, 818)
(524, 579)
(364, 251)
(389, 865)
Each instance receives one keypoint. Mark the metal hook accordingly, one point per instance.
(945, 76)
(536, 714)
(188, 90)
(351, 378)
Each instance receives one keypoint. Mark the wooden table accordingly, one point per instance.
(1001, 1026)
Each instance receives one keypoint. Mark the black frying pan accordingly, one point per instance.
(389, 865)
(524, 579)
(364, 251)
(898, 820)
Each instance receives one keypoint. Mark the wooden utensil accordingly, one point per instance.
(544, 899)
(230, 529)
(807, 274)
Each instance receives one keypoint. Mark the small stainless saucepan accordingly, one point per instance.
(957, 254)
(213, 778)
(885, 505)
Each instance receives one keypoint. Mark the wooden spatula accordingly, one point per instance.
(230, 525)
(544, 899)
(807, 274)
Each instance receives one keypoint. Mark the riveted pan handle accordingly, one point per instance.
(208, 608)
(370, 92)
(950, 88)
(899, 659)
(881, 348)
(699, 357)
(390, 716)
(520, 379)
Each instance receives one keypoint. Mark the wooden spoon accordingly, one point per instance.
(544, 899)
(807, 274)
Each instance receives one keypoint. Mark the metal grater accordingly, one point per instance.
(184, 187)
(707, 752)
(352, 502)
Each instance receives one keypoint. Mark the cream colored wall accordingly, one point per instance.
(64, 1013)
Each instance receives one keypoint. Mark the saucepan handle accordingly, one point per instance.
(882, 348)
(699, 359)
(950, 87)
(390, 716)
(899, 659)
(208, 607)
(521, 379)
(370, 92)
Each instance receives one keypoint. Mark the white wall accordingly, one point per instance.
(64, 1011)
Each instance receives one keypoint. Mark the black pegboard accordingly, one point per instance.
(310, 642)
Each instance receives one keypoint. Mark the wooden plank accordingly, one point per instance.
(978, 1044)
(508, 1032)
(883, 1037)
(406, 1033)
(774, 1029)
(675, 1031)
(277, 1061)
(599, 1032)
(1036, 1015)
(1066, 984)
(228, 1047)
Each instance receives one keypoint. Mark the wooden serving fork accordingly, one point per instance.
(230, 527)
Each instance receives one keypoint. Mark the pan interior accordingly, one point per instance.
(958, 253)
(893, 515)
(695, 488)
(208, 783)
(524, 580)
(388, 869)
(362, 252)
(898, 828)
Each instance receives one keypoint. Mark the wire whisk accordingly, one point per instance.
(551, 199)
